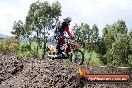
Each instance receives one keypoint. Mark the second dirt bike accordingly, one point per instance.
(73, 51)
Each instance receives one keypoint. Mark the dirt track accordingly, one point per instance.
(33, 73)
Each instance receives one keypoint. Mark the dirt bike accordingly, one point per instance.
(73, 52)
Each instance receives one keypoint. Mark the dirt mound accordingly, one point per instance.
(34, 73)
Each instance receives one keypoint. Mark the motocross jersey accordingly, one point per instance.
(59, 32)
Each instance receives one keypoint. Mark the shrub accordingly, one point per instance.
(9, 46)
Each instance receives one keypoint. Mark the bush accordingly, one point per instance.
(25, 50)
(9, 46)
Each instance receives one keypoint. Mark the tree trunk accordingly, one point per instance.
(37, 44)
(43, 56)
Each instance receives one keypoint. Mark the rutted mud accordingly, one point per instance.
(34, 73)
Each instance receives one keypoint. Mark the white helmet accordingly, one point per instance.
(68, 19)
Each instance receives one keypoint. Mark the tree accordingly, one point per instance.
(116, 42)
(81, 34)
(120, 50)
(95, 37)
(95, 33)
(88, 38)
(130, 40)
(130, 48)
(101, 50)
(92, 40)
(108, 36)
(40, 18)
(18, 29)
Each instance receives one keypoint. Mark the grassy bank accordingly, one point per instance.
(91, 60)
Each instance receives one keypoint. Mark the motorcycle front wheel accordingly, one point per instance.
(77, 57)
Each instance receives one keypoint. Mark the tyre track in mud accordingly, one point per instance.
(34, 73)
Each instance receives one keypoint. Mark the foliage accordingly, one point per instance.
(114, 48)
(40, 18)
(116, 42)
(9, 46)
(81, 34)
(18, 29)
(88, 38)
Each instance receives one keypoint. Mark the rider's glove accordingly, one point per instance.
(71, 37)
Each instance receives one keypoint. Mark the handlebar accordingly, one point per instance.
(67, 39)
(70, 41)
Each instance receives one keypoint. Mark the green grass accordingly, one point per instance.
(27, 53)
(93, 61)
(94, 58)
(33, 46)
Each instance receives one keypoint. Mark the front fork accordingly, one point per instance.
(71, 54)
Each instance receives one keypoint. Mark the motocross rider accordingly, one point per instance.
(59, 35)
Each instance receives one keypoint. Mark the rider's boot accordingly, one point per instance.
(58, 51)
(65, 55)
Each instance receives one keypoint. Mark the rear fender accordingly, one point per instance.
(52, 48)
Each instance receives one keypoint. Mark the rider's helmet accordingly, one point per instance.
(68, 20)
